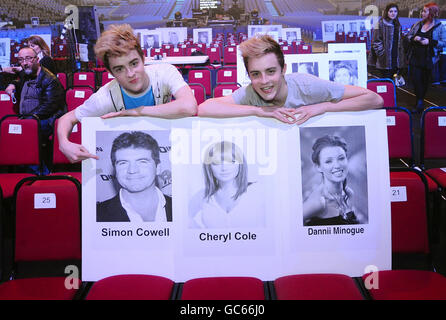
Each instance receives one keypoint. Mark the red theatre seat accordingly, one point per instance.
(223, 288)
(317, 287)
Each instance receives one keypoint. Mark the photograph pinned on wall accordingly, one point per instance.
(291, 34)
(334, 175)
(314, 64)
(150, 39)
(203, 35)
(133, 165)
(173, 35)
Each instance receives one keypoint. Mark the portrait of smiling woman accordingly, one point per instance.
(229, 200)
(336, 195)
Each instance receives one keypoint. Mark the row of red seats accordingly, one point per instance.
(52, 233)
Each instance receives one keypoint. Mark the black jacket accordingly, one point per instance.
(52, 95)
(111, 210)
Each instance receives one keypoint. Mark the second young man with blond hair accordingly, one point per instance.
(137, 90)
(290, 98)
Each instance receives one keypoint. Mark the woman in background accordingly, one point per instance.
(43, 52)
(330, 203)
(387, 53)
(427, 39)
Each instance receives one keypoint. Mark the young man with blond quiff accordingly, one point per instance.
(290, 98)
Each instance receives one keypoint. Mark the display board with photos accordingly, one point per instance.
(203, 35)
(150, 39)
(249, 205)
(329, 28)
(275, 31)
(291, 34)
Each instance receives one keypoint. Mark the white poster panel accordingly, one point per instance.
(339, 220)
(203, 35)
(122, 232)
(348, 69)
(250, 196)
(173, 35)
(5, 52)
(150, 39)
(329, 28)
(230, 211)
(291, 34)
(274, 31)
(315, 64)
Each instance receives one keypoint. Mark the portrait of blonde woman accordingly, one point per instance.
(229, 199)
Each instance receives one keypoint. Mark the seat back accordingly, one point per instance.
(47, 219)
(106, 77)
(77, 96)
(203, 77)
(6, 105)
(400, 134)
(224, 89)
(230, 55)
(131, 287)
(340, 37)
(63, 79)
(214, 55)
(75, 137)
(409, 212)
(198, 91)
(433, 133)
(304, 48)
(226, 75)
(84, 79)
(351, 37)
(223, 288)
(19, 141)
(386, 89)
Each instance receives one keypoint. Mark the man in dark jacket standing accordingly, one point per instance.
(38, 92)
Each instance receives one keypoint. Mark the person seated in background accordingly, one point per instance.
(291, 98)
(38, 93)
(136, 90)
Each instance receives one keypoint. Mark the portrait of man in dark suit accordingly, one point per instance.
(135, 157)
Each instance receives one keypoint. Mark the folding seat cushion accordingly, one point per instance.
(131, 287)
(317, 287)
(409, 285)
(223, 288)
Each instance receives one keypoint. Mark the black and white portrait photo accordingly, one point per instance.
(339, 27)
(134, 177)
(151, 41)
(306, 67)
(329, 27)
(203, 36)
(334, 175)
(229, 197)
(2, 49)
(344, 71)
